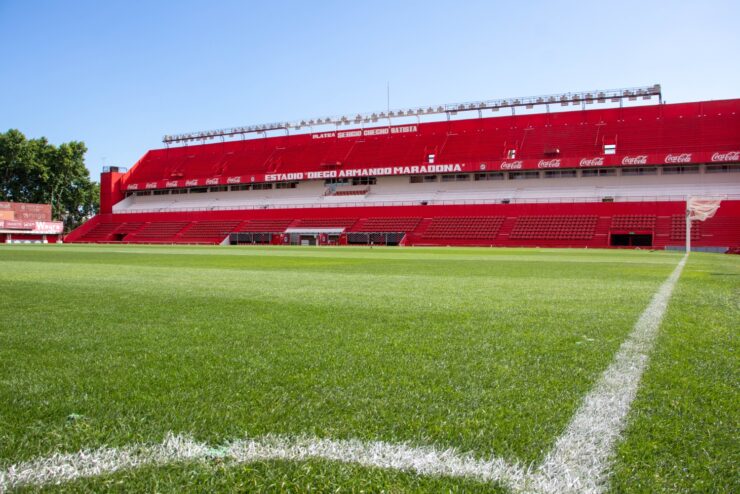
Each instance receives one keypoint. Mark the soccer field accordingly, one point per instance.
(353, 369)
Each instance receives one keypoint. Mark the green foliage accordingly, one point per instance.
(32, 170)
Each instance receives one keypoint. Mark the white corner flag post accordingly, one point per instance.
(700, 209)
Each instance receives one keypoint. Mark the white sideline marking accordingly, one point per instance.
(578, 463)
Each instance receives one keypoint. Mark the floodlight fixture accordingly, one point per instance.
(576, 98)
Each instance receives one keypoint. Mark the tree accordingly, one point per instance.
(32, 170)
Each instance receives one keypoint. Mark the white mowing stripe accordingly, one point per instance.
(578, 463)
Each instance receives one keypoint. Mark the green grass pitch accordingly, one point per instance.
(488, 351)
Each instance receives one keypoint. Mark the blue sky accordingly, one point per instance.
(118, 75)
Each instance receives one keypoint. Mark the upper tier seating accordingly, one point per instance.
(580, 227)
(464, 227)
(686, 127)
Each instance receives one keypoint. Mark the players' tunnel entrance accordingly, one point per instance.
(631, 240)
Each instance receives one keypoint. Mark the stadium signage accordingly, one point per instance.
(317, 175)
(729, 156)
(412, 170)
(428, 168)
(50, 227)
(378, 131)
(279, 177)
(549, 163)
(324, 135)
(678, 158)
(365, 172)
(635, 160)
(512, 165)
(17, 225)
(349, 133)
(591, 162)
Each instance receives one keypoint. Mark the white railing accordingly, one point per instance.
(431, 202)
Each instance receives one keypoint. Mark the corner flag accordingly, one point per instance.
(698, 209)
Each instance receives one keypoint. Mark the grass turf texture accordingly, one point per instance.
(488, 351)
(684, 435)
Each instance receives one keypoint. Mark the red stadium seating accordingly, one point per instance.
(164, 231)
(387, 225)
(699, 134)
(678, 228)
(472, 227)
(216, 230)
(633, 222)
(267, 226)
(575, 227)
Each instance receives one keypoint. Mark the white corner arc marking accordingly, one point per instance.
(578, 462)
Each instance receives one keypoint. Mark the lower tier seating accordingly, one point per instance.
(387, 225)
(160, 230)
(633, 222)
(554, 227)
(464, 227)
(268, 226)
(678, 228)
(656, 225)
(210, 229)
(101, 232)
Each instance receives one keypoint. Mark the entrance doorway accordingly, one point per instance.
(631, 240)
(307, 240)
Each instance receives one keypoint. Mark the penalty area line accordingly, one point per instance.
(578, 463)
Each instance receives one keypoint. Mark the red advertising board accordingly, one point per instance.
(48, 227)
(468, 167)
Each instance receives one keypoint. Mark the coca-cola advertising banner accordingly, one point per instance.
(45, 227)
(481, 166)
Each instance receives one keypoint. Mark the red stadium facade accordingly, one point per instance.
(608, 177)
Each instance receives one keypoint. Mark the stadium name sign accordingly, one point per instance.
(492, 165)
(365, 172)
(366, 132)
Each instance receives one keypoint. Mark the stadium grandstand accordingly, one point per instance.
(28, 223)
(590, 169)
